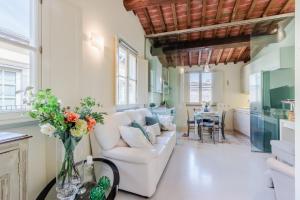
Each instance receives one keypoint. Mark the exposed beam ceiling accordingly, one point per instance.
(229, 24)
(149, 20)
(217, 43)
(193, 24)
(139, 4)
(174, 15)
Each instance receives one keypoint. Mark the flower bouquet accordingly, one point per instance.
(69, 126)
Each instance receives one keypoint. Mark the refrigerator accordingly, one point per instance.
(264, 126)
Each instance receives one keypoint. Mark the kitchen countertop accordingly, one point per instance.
(247, 110)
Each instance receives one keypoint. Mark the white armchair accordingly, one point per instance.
(282, 170)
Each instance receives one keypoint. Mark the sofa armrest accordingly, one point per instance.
(281, 167)
(131, 155)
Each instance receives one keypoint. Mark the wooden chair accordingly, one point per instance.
(220, 125)
(190, 123)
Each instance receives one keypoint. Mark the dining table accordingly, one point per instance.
(214, 116)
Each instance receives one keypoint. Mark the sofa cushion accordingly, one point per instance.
(151, 120)
(153, 131)
(166, 137)
(145, 112)
(155, 128)
(134, 124)
(137, 116)
(134, 137)
(135, 155)
(107, 134)
(121, 119)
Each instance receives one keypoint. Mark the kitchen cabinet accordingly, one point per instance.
(13, 167)
(241, 121)
(155, 75)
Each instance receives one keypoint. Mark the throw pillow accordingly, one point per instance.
(165, 121)
(155, 129)
(137, 125)
(134, 137)
(151, 120)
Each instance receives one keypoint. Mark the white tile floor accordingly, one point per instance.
(224, 171)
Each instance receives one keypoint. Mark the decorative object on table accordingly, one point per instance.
(152, 105)
(206, 107)
(88, 174)
(290, 113)
(69, 126)
(98, 192)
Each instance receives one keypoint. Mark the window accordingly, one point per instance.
(126, 75)
(206, 87)
(18, 52)
(200, 87)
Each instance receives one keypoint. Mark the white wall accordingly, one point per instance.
(297, 95)
(74, 69)
(233, 96)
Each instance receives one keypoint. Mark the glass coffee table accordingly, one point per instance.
(102, 167)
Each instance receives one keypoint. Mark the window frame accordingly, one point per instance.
(33, 45)
(129, 51)
(200, 87)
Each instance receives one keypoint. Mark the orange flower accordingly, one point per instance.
(71, 116)
(91, 122)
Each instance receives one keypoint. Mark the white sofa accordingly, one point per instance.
(140, 169)
(282, 170)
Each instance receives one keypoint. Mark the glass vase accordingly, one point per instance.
(68, 178)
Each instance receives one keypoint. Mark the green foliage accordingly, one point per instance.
(86, 109)
(46, 108)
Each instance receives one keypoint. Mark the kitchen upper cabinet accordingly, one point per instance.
(241, 121)
(155, 75)
(277, 58)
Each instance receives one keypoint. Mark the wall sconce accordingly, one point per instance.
(97, 41)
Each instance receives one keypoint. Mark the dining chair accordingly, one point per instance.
(190, 122)
(207, 124)
(220, 125)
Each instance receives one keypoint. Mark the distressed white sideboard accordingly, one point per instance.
(13, 166)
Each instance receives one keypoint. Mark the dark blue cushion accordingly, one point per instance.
(151, 120)
(137, 125)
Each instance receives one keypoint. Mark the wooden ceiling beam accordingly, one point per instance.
(224, 25)
(286, 5)
(162, 19)
(149, 20)
(199, 57)
(232, 17)
(203, 17)
(269, 6)
(240, 54)
(231, 42)
(209, 56)
(250, 11)
(190, 58)
(229, 55)
(219, 56)
(138, 4)
(219, 11)
(188, 13)
(173, 6)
